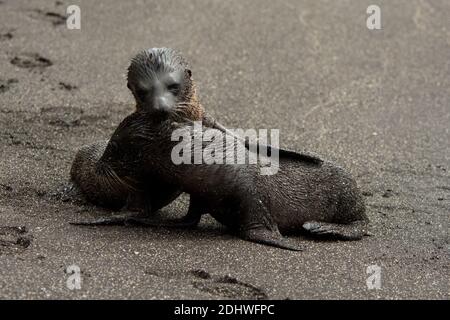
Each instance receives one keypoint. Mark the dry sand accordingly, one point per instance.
(377, 102)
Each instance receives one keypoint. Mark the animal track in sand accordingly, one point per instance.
(67, 86)
(5, 187)
(229, 287)
(54, 17)
(31, 61)
(62, 116)
(5, 85)
(68, 117)
(221, 286)
(13, 239)
(6, 36)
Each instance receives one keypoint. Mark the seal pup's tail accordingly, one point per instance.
(352, 231)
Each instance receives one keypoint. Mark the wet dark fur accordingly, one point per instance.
(300, 195)
(102, 186)
(97, 181)
(148, 63)
(306, 192)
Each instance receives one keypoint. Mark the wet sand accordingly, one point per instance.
(377, 102)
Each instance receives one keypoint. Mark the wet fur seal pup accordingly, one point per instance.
(160, 81)
(102, 186)
(308, 193)
(320, 199)
(92, 181)
(158, 77)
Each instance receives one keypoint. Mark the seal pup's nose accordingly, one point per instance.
(162, 104)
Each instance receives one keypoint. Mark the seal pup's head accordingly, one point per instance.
(161, 83)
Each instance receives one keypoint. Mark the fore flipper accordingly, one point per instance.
(191, 219)
(270, 238)
(182, 223)
(122, 219)
(257, 225)
(116, 220)
(352, 231)
(146, 218)
(209, 121)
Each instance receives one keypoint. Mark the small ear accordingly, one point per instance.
(189, 72)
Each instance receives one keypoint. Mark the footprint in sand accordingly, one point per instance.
(67, 86)
(69, 116)
(55, 18)
(5, 85)
(13, 239)
(220, 286)
(228, 287)
(6, 36)
(31, 61)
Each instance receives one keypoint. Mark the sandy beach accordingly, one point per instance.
(376, 102)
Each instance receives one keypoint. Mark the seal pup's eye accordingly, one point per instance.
(174, 88)
(114, 145)
(141, 93)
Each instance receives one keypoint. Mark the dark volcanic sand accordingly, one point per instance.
(377, 102)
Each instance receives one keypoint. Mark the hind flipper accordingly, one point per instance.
(311, 158)
(352, 231)
(286, 153)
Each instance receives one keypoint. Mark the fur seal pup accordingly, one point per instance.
(91, 180)
(100, 185)
(160, 81)
(321, 199)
